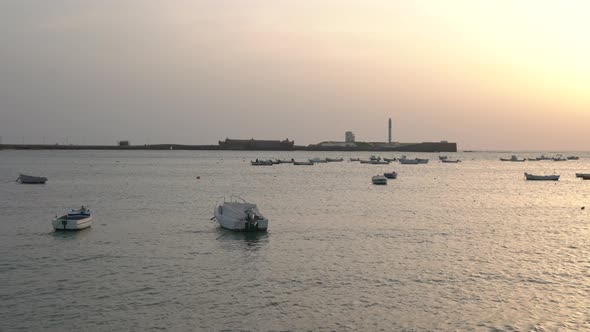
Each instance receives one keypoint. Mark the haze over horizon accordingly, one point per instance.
(490, 75)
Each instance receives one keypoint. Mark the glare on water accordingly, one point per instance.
(443, 247)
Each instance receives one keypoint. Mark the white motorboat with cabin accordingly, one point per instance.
(379, 179)
(74, 220)
(29, 179)
(239, 215)
(541, 177)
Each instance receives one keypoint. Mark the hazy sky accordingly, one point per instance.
(486, 74)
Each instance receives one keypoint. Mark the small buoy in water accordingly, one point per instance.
(583, 207)
(198, 177)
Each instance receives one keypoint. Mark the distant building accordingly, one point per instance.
(254, 144)
(123, 143)
(349, 137)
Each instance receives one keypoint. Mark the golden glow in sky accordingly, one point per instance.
(462, 70)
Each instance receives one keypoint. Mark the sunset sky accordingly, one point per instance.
(485, 74)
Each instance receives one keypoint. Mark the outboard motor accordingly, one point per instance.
(251, 220)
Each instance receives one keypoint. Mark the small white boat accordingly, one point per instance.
(303, 163)
(239, 215)
(391, 175)
(334, 160)
(408, 161)
(541, 177)
(450, 161)
(29, 179)
(74, 220)
(513, 158)
(379, 179)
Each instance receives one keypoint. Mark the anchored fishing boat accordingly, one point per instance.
(379, 179)
(262, 163)
(408, 161)
(541, 177)
(392, 175)
(74, 220)
(303, 163)
(29, 179)
(239, 215)
(513, 158)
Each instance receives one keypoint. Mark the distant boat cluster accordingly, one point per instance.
(552, 177)
(373, 160)
(558, 157)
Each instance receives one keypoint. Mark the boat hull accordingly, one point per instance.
(64, 224)
(28, 179)
(379, 180)
(532, 177)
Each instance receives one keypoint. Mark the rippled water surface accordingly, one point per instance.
(469, 246)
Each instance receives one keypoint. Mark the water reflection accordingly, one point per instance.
(71, 234)
(243, 240)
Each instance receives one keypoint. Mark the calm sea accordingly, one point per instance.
(469, 246)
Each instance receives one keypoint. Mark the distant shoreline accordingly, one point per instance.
(406, 147)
